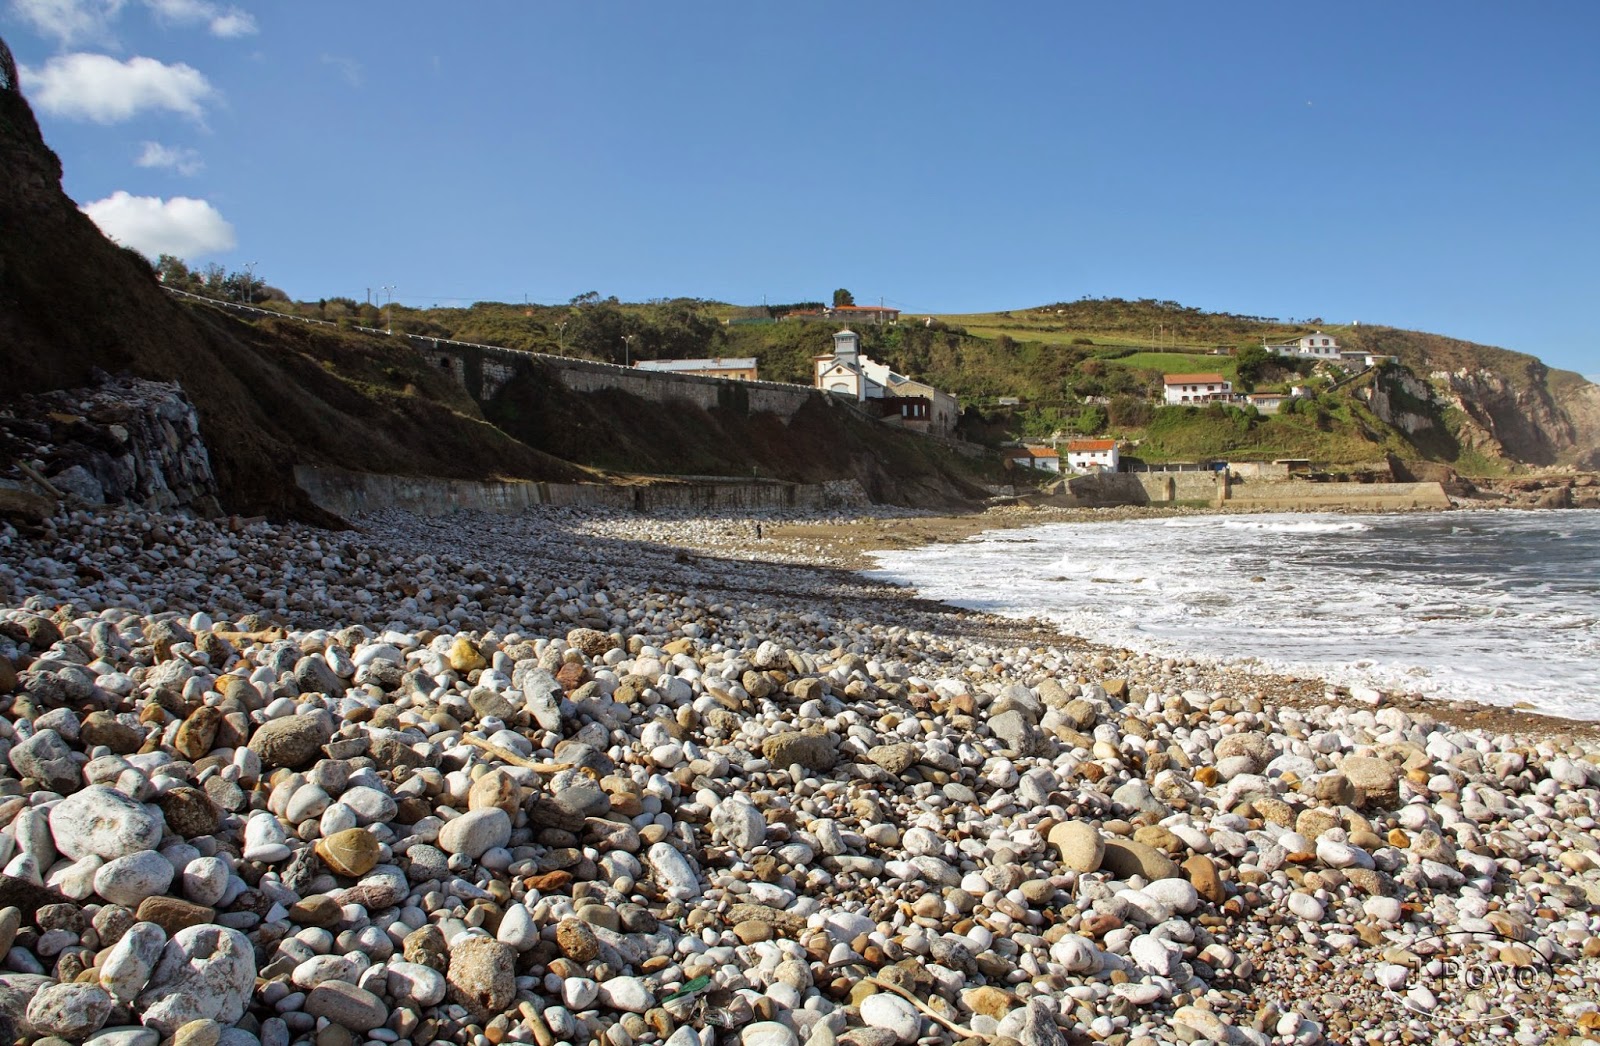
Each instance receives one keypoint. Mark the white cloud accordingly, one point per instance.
(348, 68)
(70, 21)
(227, 22)
(176, 158)
(232, 23)
(98, 87)
(90, 21)
(181, 226)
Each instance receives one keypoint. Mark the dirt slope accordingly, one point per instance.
(72, 302)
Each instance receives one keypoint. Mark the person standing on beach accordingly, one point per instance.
(758, 531)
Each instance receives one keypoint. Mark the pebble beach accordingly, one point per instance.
(576, 777)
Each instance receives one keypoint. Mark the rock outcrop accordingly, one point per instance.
(122, 441)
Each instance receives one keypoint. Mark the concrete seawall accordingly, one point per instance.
(1300, 493)
(1215, 489)
(348, 493)
(1302, 496)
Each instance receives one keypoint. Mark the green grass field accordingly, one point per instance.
(1180, 363)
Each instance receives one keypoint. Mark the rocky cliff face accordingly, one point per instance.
(1522, 422)
(1403, 400)
(1580, 401)
(1507, 404)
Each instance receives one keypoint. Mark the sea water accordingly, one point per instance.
(1501, 607)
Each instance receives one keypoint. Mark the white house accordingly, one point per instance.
(1089, 455)
(846, 372)
(1042, 458)
(1192, 389)
(1315, 345)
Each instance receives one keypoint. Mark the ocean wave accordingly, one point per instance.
(1473, 607)
(1280, 526)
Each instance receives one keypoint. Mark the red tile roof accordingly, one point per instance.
(1193, 379)
(1076, 446)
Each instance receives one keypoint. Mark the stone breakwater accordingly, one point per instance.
(567, 778)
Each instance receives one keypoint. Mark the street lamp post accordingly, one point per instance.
(627, 349)
(250, 283)
(388, 308)
(561, 336)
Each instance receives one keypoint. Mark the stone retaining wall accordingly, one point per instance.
(1146, 488)
(125, 441)
(483, 369)
(347, 493)
(749, 397)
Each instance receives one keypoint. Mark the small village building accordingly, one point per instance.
(1192, 389)
(1315, 345)
(737, 368)
(1267, 402)
(840, 371)
(894, 397)
(1092, 455)
(862, 314)
(943, 410)
(1042, 458)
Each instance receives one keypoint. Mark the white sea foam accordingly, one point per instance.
(1499, 607)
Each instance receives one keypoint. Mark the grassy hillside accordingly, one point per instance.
(1089, 366)
(1329, 429)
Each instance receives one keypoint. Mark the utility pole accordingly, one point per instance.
(388, 308)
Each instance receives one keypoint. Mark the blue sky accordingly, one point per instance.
(1427, 165)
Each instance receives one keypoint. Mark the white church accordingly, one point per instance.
(895, 397)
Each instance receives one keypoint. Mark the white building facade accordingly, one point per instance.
(846, 372)
(1185, 390)
(1092, 455)
(1316, 345)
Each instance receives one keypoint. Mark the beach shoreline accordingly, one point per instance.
(853, 544)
